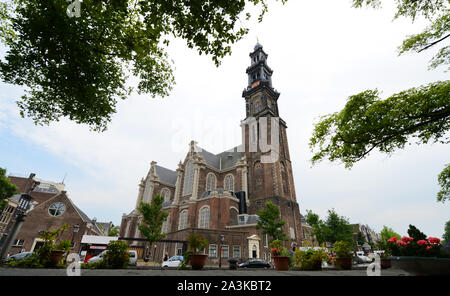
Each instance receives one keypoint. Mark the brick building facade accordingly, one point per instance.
(50, 209)
(220, 194)
(52, 214)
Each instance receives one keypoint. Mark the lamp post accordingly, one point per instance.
(222, 239)
(15, 224)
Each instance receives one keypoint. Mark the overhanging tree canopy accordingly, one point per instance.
(369, 122)
(77, 67)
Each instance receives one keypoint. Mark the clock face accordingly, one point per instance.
(257, 105)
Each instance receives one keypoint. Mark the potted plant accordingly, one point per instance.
(419, 255)
(343, 252)
(310, 259)
(51, 254)
(280, 255)
(196, 242)
(385, 261)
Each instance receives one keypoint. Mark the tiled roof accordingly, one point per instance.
(222, 161)
(85, 218)
(165, 175)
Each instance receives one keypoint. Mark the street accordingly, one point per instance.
(207, 272)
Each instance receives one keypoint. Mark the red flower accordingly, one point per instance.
(392, 239)
(429, 248)
(434, 240)
(402, 243)
(407, 239)
(422, 242)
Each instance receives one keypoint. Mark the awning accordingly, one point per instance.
(97, 240)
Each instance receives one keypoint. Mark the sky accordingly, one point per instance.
(321, 52)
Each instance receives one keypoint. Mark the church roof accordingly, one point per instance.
(222, 161)
(165, 175)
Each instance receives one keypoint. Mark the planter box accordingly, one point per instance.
(281, 262)
(56, 257)
(422, 265)
(385, 263)
(198, 261)
(344, 263)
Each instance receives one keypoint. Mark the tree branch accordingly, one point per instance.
(433, 43)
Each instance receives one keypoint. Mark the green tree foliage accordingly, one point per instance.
(270, 222)
(153, 217)
(7, 189)
(338, 228)
(114, 231)
(360, 238)
(317, 225)
(415, 233)
(77, 67)
(368, 122)
(334, 228)
(444, 181)
(117, 256)
(196, 242)
(446, 235)
(387, 232)
(52, 243)
(437, 12)
(343, 249)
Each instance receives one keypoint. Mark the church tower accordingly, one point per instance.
(269, 180)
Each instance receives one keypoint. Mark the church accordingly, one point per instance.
(219, 195)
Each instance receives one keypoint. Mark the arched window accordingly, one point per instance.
(234, 216)
(165, 225)
(229, 183)
(210, 182)
(258, 176)
(146, 195)
(188, 178)
(203, 219)
(165, 193)
(182, 223)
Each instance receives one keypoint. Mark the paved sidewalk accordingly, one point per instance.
(208, 272)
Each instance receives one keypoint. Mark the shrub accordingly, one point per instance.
(278, 249)
(186, 260)
(116, 255)
(343, 249)
(310, 259)
(50, 237)
(30, 262)
(445, 251)
(196, 242)
(95, 265)
(409, 246)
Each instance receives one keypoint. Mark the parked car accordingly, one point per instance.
(255, 263)
(132, 256)
(97, 258)
(19, 256)
(360, 258)
(172, 262)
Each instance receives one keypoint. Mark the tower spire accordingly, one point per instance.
(259, 94)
